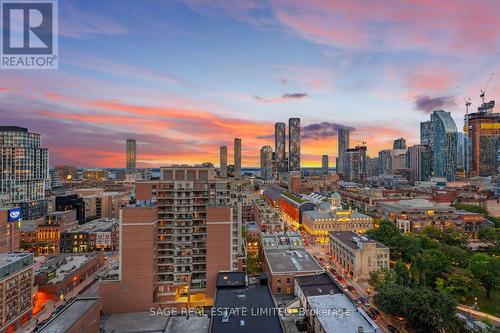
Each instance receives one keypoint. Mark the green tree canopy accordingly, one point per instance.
(487, 270)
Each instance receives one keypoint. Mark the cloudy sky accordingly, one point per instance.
(184, 77)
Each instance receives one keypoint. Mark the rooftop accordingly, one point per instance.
(337, 314)
(63, 321)
(335, 214)
(286, 240)
(135, 322)
(11, 263)
(354, 241)
(273, 192)
(417, 204)
(99, 225)
(64, 264)
(252, 298)
(317, 284)
(295, 261)
(231, 279)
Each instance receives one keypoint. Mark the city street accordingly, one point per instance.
(320, 252)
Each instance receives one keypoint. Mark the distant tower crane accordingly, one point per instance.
(483, 92)
(467, 104)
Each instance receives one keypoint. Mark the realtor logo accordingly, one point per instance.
(29, 35)
(14, 214)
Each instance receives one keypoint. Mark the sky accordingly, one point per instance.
(184, 77)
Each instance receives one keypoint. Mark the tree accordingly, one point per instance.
(460, 283)
(449, 236)
(457, 256)
(382, 277)
(390, 298)
(386, 233)
(487, 270)
(470, 208)
(408, 247)
(454, 237)
(490, 236)
(402, 273)
(428, 311)
(435, 262)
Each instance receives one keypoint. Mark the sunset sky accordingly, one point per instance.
(185, 77)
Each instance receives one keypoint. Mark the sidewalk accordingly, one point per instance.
(478, 314)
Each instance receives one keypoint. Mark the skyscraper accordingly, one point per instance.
(355, 164)
(324, 163)
(183, 196)
(294, 144)
(24, 170)
(266, 162)
(419, 162)
(461, 151)
(385, 162)
(444, 145)
(484, 135)
(425, 133)
(399, 144)
(223, 162)
(343, 137)
(237, 158)
(131, 156)
(279, 147)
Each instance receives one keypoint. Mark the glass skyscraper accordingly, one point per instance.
(294, 144)
(24, 165)
(444, 145)
(131, 156)
(343, 144)
(280, 147)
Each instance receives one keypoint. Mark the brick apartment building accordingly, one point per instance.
(136, 286)
(16, 285)
(191, 234)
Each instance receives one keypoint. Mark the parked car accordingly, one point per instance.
(392, 329)
(352, 289)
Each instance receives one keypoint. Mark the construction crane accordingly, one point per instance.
(483, 92)
(467, 104)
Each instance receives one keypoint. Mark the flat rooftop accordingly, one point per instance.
(252, 298)
(231, 279)
(65, 264)
(337, 314)
(317, 284)
(135, 322)
(99, 225)
(11, 263)
(335, 214)
(63, 321)
(353, 240)
(417, 204)
(293, 261)
(282, 240)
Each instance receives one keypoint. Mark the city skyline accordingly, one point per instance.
(380, 78)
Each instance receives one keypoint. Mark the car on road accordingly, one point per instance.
(371, 315)
(352, 289)
(375, 311)
(392, 329)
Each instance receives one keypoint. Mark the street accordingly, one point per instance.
(353, 289)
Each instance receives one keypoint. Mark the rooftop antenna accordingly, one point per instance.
(483, 92)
